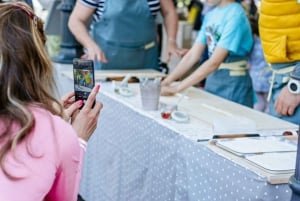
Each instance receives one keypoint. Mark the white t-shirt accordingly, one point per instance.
(154, 6)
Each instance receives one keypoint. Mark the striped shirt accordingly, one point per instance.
(154, 6)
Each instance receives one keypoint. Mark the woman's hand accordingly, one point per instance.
(69, 105)
(85, 120)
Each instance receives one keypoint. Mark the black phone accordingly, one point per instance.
(84, 78)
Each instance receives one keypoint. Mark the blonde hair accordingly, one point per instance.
(26, 74)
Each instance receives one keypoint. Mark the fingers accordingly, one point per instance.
(70, 111)
(290, 111)
(100, 57)
(86, 121)
(96, 110)
(286, 103)
(279, 110)
(92, 97)
(68, 96)
(85, 56)
(103, 58)
(177, 52)
(68, 99)
(166, 91)
(279, 107)
(96, 56)
(284, 109)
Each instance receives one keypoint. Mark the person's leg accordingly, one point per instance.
(266, 103)
(260, 102)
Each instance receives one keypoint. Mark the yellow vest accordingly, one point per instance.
(279, 30)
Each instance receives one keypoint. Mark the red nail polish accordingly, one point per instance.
(98, 86)
(80, 103)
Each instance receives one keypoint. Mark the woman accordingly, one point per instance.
(227, 34)
(123, 34)
(40, 153)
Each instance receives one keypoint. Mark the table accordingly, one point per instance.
(134, 157)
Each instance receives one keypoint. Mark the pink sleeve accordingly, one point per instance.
(67, 181)
(48, 162)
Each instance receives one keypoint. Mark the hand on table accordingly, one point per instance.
(167, 90)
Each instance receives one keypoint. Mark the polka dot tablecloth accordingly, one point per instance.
(132, 157)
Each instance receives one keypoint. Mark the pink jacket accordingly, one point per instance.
(52, 172)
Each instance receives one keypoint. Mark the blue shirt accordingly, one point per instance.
(227, 27)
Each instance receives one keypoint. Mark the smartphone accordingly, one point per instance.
(84, 78)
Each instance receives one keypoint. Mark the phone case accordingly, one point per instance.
(84, 78)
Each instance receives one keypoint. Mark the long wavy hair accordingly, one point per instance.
(26, 75)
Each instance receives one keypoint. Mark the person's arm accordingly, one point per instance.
(77, 24)
(67, 178)
(209, 66)
(71, 152)
(202, 71)
(185, 64)
(170, 17)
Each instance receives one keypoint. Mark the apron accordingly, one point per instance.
(233, 82)
(126, 32)
(280, 78)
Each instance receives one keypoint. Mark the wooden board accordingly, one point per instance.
(119, 74)
(221, 113)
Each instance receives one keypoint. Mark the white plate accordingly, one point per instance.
(126, 92)
(180, 116)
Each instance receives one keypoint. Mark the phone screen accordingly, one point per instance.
(84, 78)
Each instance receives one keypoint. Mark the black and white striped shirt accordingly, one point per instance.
(154, 6)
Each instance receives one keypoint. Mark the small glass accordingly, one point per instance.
(150, 93)
(166, 111)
